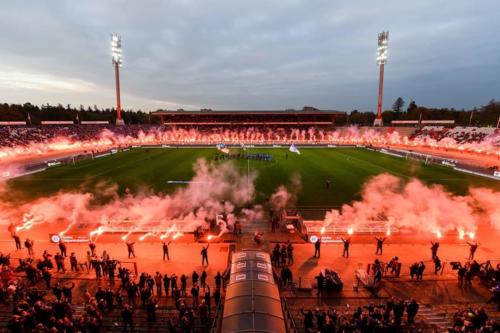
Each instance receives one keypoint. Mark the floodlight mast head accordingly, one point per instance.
(116, 60)
(116, 49)
(383, 40)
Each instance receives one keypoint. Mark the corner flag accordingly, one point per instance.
(294, 149)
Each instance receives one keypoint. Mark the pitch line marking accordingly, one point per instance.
(380, 167)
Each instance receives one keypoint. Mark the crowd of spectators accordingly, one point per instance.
(282, 258)
(32, 313)
(239, 156)
(458, 134)
(19, 136)
(385, 317)
(48, 306)
(473, 320)
(12, 136)
(485, 272)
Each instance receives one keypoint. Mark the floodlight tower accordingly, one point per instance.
(116, 56)
(383, 39)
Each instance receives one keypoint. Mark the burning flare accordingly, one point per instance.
(157, 135)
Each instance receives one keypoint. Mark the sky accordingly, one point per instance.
(244, 55)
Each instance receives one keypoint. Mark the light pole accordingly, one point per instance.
(471, 115)
(383, 39)
(116, 56)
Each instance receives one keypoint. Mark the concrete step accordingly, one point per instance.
(434, 318)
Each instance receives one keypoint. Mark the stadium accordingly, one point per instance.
(292, 220)
(230, 177)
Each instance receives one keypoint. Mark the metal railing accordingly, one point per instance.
(291, 327)
(217, 317)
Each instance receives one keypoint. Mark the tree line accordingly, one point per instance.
(486, 115)
(47, 112)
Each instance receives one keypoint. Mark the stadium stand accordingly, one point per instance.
(458, 134)
(27, 305)
(12, 136)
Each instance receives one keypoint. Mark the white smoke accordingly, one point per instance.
(214, 189)
(286, 196)
(419, 207)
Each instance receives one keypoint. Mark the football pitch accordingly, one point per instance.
(151, 168)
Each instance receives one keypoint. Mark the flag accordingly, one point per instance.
(222, 147)
(77, 118)
(294, 149)
(29, 118)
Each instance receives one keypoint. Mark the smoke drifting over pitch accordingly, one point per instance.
(214, 189)
(285, 197)
(225, 189)
(418, 207)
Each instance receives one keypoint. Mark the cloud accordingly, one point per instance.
(43, 82)
(240, 55)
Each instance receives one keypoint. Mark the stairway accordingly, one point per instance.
(434, 318)
(447, 311)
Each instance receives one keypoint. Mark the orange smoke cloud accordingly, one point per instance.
(415, 206)
(214, 189)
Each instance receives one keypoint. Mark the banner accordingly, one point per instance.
(404, 122)
(442, 122)
(53, 163)
(294, 149)
(58, 122)
(448, 163)
(324, 239)
(94, 122)
(12, 123)
(55, 238)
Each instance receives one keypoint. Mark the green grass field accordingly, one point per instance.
(347, 168)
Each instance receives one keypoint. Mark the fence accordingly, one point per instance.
(290, 325)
